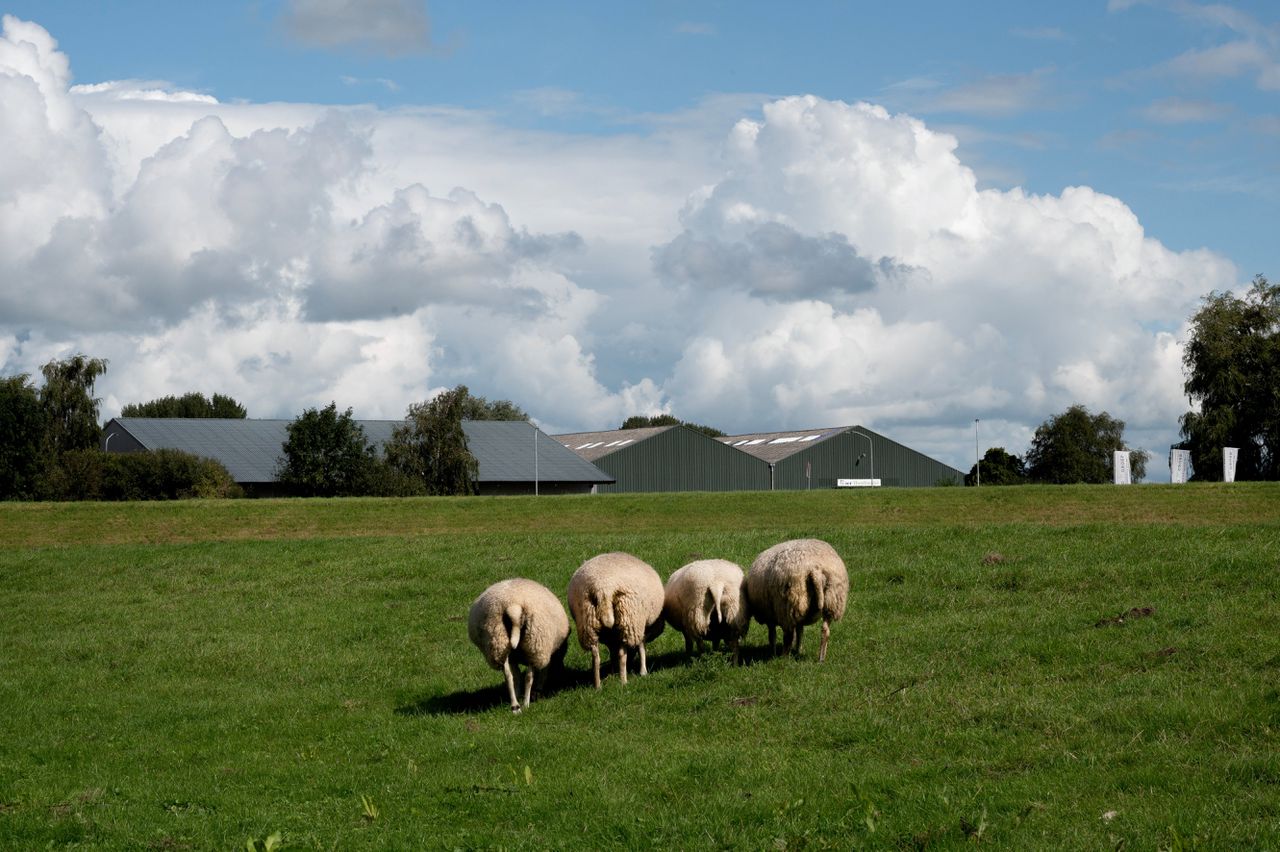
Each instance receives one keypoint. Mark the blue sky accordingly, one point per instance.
(653, 240)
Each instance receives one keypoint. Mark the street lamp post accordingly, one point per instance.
(873, 452)
(977, 459)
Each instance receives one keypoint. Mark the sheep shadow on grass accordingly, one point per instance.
(469, 701)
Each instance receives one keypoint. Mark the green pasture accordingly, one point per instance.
(1033, 667)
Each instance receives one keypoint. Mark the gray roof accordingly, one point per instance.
(594, 445)
(251, 449)
(776, 446)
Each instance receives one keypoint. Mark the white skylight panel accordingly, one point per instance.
(756, 441)
(810, 438)
(790, 440)
(624, 443)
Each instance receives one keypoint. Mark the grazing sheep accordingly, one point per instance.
(519, 621)
(707, 599)
(796, 583)
(616, 599)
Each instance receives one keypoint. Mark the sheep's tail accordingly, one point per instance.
(515, 618)
(816, 581)
(717, 595)
(605, 610)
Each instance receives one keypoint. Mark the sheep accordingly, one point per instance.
(616, 599)
(707, 599)
(519, 621)
(796, 583)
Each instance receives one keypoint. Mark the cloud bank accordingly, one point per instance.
(813, 263)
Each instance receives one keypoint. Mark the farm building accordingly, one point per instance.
(821, 458)
(251, 450)
(677, 458)
(668, 458)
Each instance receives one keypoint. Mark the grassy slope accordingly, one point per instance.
(191, 675)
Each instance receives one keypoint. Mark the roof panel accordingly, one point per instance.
(251, 449)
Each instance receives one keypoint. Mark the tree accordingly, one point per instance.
(432, 447)
(479, 408)
(999, 467)
(327, 454)
(68, 402)
(640, 421)
(188, 405)
(23, 424)
(1232, 363)
(1076, 446)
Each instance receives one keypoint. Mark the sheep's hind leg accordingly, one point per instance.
(644, 663)
(688, 644)
(826, 635)
(788, 638)
(622, 663)
(511, 685)
(799, 637)
(595, 663)
(528, 687)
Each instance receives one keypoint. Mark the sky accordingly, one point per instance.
(751, 215)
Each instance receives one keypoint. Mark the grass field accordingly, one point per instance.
(197, 675)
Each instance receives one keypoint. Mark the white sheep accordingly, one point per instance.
(616, 599)
(519, 621)
(796, 583)
(707, 599)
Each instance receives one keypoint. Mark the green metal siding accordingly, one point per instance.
(681, 459)
(848, 456)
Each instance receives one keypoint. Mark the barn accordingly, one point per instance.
(841, 455)
(678, 458)
(668, 458)
(514, 457)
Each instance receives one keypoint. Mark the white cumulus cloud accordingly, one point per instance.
(805, 263)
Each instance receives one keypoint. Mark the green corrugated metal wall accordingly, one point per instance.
(681, 459)
(839, 458)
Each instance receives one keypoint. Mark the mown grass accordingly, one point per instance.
(194, 675)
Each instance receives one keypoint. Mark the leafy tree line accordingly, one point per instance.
(187, 405)
(327, 454)
(1072, 447)
(49, 438)
(640, 421)
(1232, 365)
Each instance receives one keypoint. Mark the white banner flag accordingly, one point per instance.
(1179, 466)
(1121, 468)
(1229, 455)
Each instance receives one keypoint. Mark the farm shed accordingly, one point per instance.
(251, 450)
(668, 458)
(841, 452)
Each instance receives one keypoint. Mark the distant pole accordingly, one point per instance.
(871, 447)
(535, 459)
(977, 459)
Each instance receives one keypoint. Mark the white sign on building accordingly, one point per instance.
(1229, 456)
(1121, 468)
(1179, 466)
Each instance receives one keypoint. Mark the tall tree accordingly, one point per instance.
(1232, 363)
(432, 447)
(999, 467)
(641, 421)
(188, 405)
(479, 408)
(326, 454)
(23, 424)
(1076, 446)
(68, 402)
